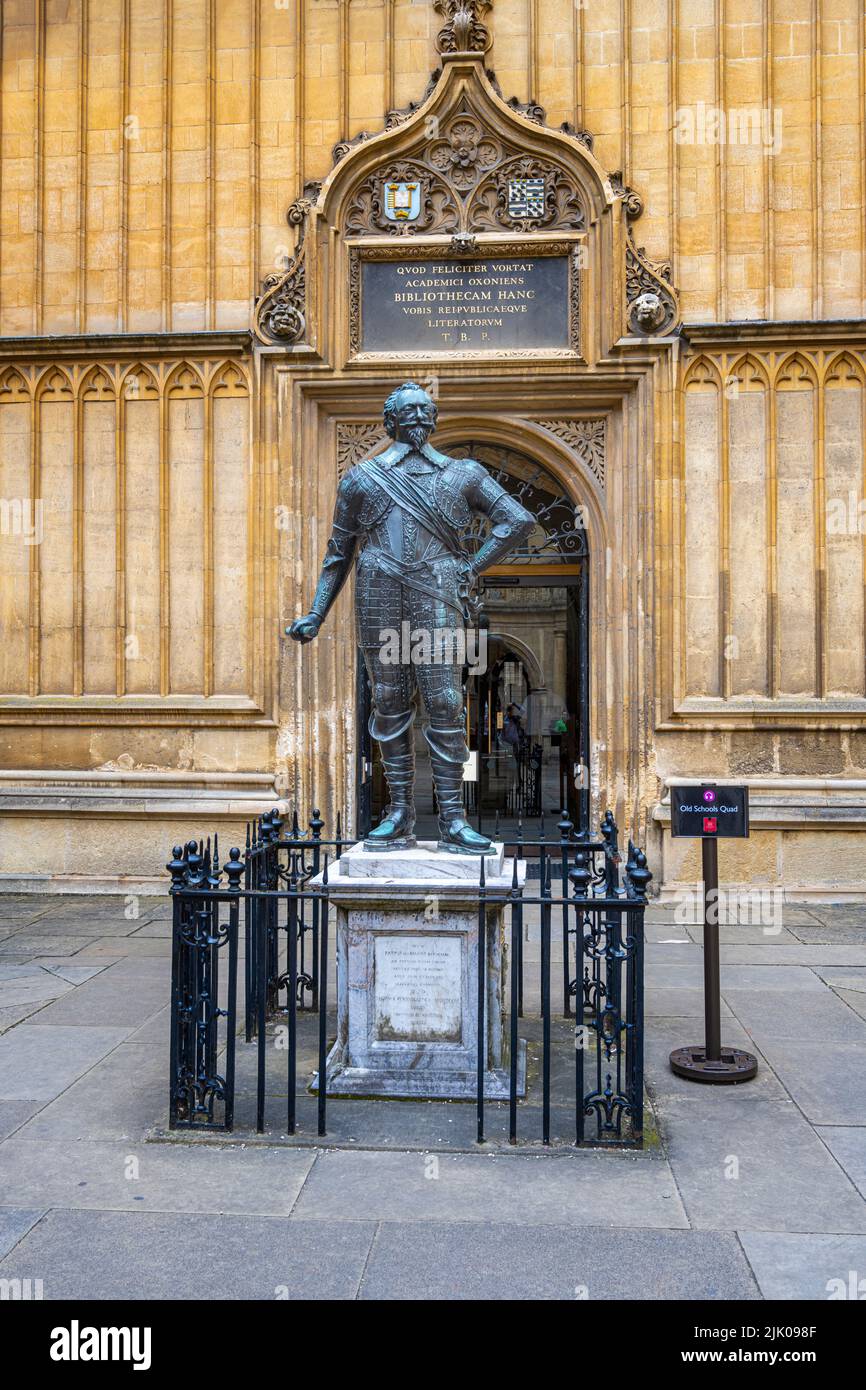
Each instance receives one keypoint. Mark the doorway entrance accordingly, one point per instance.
(527, 696)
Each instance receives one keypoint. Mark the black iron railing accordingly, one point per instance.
(287, 943)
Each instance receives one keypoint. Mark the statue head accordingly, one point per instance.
(410, 414)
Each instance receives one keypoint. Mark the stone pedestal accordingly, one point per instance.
(407, 981)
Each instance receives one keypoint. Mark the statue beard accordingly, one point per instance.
(418, 436)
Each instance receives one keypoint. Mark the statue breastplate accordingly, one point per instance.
(401, 534)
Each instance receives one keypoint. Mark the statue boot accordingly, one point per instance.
(448, 753)
(396, 739)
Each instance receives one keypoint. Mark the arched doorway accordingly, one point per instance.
(528, 697)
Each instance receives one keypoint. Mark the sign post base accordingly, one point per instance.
(733, 1065)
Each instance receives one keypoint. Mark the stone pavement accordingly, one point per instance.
(747, 1192)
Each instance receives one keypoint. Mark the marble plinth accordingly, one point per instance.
(407, 983)
(423, 863)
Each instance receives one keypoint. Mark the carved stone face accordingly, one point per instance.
(649, 311)
(411, 418)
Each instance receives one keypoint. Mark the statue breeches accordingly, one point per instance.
(411, 640)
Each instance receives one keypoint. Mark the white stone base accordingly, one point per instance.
(428, 1084)
(407, 981)
(423, 863)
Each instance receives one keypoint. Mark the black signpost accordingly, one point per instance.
(710, 813)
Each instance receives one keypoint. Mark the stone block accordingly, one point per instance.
(407, 981)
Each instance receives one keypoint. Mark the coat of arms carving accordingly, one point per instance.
(402, 201)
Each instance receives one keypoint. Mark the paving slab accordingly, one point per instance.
(155, 1030)
(820, 1016)
(827, 1081)
(836, 933)
(848, 1147)
(14, 1225)
(19, 915)
(38, 1062)
(132, 967)
(178, 1178)
(160, 929)
(137, 1255)
(75, 974)
(782, 954)
(124, 945)
(672, 953)
(578, 1189)
(123, 1097)
(36, 901)
(32, 989)
(9, 929)
(20, 972)
(15, 1113)
(838, 977)
(813, 1267)
(762, 1168)
(29, 943)
(855, 999)
(688, 976)
(63, 924)
(657, 932)
(111, 1000)
(414, 1260)
(782, 978)
(736, 934)
(11, 1017)
(675, 1001)
(839, 914)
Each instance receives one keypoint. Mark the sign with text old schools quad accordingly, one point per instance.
(710, 812)
(458, 306)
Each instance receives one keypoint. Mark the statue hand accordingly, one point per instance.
(304, 629)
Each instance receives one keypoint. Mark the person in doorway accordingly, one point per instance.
(512, 729)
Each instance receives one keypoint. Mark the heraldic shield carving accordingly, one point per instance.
(463, 173)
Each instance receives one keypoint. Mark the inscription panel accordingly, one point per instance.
(418, 988)
(456, 306)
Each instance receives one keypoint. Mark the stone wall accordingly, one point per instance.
(149, 150)
(150, 147)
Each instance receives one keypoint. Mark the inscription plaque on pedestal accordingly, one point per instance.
(418, 989)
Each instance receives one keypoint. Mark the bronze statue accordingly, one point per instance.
(406, 509)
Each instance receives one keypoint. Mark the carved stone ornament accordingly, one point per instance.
(281, 308)
(394, 118)
(462, 31)
(368, 209)
(529, 109)
(460, 175)
(652, 304)
(586, 438)
(297, 213)
(356, 442)
(650, 297)
(464, 244)
(465, 172)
